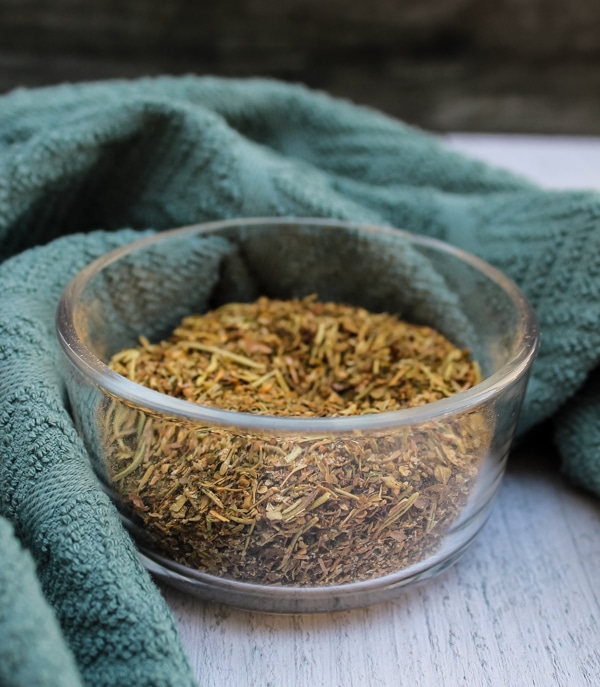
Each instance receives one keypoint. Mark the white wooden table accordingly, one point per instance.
(521, 608)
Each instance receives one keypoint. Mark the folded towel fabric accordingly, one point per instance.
(78, 164)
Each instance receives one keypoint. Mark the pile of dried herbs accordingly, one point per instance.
(292, 509)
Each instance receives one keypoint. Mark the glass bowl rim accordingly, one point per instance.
(155, 402)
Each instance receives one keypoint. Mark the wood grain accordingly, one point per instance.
(472, 65)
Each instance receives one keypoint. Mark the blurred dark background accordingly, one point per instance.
(464, 65)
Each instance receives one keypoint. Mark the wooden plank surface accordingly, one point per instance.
(521, 608)
(510, 65)
(559, 162)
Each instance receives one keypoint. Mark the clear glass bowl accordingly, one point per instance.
(295, 514)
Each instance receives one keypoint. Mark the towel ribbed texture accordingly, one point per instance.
(97, 163)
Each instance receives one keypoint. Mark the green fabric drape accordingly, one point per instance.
(83, 168)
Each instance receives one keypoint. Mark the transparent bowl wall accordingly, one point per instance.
(348, 510)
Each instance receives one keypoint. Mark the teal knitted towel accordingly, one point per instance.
(84, 168)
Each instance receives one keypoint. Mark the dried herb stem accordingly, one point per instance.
(301, 510)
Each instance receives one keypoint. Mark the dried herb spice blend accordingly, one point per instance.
(290, 509)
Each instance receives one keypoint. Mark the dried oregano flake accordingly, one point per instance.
(292, 509)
